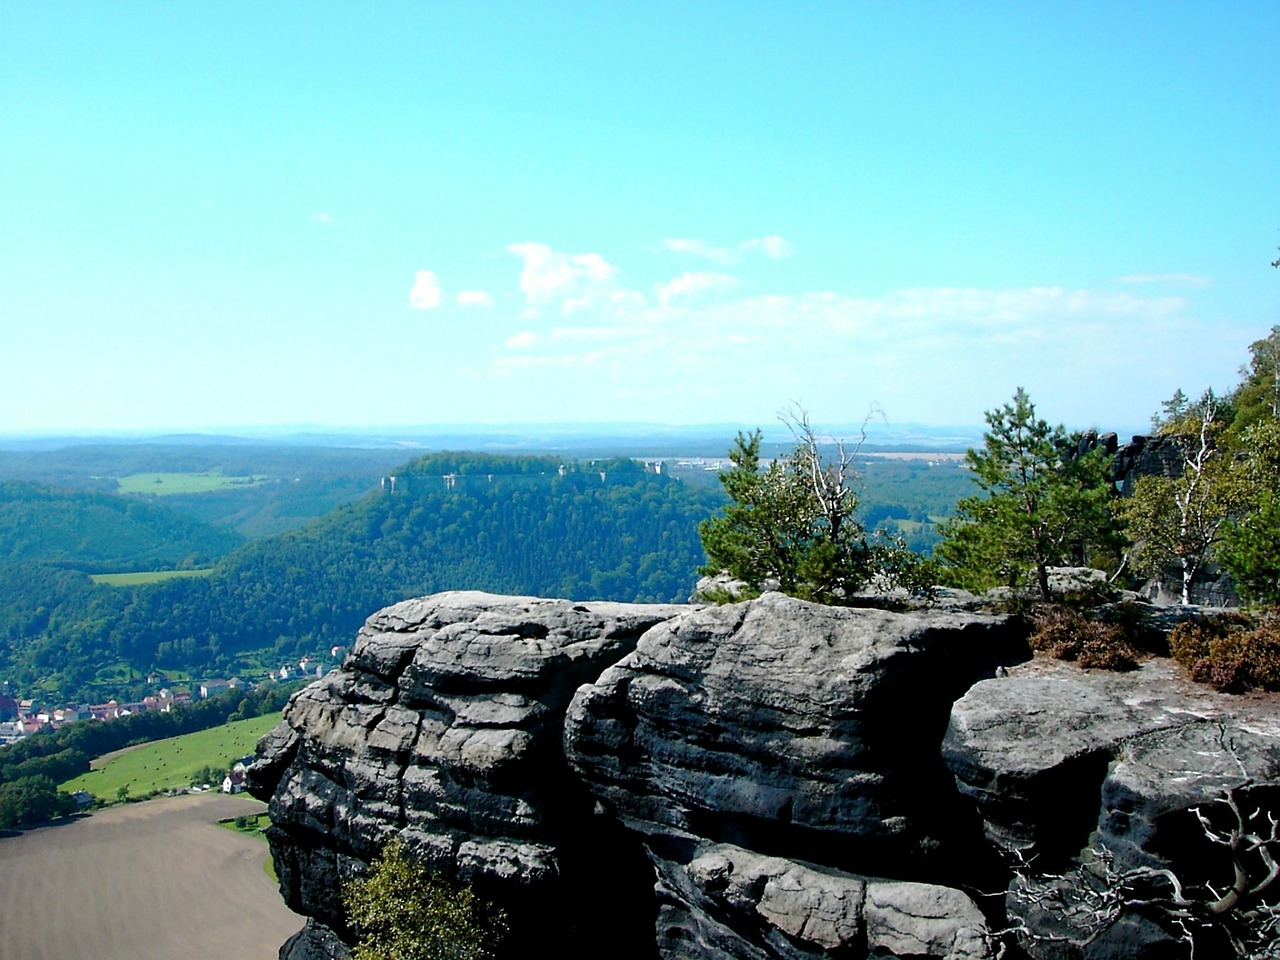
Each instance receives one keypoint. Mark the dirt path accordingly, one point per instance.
(146, 880)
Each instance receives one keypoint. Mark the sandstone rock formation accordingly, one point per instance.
(1059, 761)
(443, 727)
(800, 731)
(770, 779)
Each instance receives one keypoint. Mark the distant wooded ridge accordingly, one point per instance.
(582, 440)
(300, 559)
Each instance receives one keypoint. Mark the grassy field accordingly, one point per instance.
(171, 764)
(163, 484)
(253, 826)
(150, 576)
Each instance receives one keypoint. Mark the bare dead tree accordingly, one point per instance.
(1091, 900)
(832, 480)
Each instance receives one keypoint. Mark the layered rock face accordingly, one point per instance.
(775, 755)
(770, 779)
(1060, 762)
(443, 727)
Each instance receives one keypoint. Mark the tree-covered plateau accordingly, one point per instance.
(524, 525)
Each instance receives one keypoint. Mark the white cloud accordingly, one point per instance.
(322, 217)
(474, 298)
(690, 284)
(548, 275)
(425, 294)
(516, 364)
(617, 300)
(1177, 279)
(772, 246)
(583, 330)
(699, 248)
(823, 324)
(525, 338)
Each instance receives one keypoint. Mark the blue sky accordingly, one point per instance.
(222, 215)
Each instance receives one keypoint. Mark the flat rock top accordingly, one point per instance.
(484, 637)
(1046, 711)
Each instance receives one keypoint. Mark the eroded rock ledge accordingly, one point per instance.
(771, 779)
(443, 727)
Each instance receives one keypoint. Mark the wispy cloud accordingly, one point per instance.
(771, 246)
(425, 294)
(699, 248)
(322, 217)
(475, 298)
(525, 338)
(523, 363)
(689, 285)
(827, 324)
(1174, 279)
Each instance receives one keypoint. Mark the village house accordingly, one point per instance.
(211, 688)
(233, 782)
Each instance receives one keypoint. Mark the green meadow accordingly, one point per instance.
(149, 576)
(165, 484)
(171, 764)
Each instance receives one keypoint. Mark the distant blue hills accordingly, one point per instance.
(603, 439)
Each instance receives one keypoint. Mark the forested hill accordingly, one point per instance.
(511, 525)
(102, 533)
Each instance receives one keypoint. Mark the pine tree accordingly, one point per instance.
(1041, 504)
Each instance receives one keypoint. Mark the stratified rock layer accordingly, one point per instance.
(1060, 763)
(443, 727)
(780, 758)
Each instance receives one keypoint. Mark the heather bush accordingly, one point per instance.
(1106, 649)
(1190, 640)
(1066, 635)
(1230, 652)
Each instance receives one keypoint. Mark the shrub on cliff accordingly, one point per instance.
(1067, 635)
(1230, 651)
(792, 525)
(400, 910)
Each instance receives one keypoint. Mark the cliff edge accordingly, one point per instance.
(768, 779)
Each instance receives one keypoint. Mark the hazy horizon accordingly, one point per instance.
(621, 436)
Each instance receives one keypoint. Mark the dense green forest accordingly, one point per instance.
(103, 533)
(511, 525)
(293, 484)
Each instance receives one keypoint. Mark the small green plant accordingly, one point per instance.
(401, 911)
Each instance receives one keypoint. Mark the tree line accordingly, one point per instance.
(1044, 499)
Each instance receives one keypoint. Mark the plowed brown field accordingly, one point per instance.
(142, 881)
